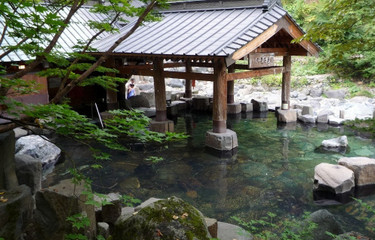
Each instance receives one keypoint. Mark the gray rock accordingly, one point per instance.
(150, 96)
(338, 94)
(322, 118)
(228, 231)
(333, 178)
(302, 97)
(259, 106)
(16, 212)
(8, 177)
(201, 103)
(335, 142)
(212, 226)
(363, 168)
(29, 172)
(307, 110)
(222, 141)
(126, 212)
(246, 107)
(55, 204)
(175, 219)
(20, 132)
(38, 148)
(326, 222)
(145, 87)
(139, 101)
(316, 92)
(307, 118)
(176, 83)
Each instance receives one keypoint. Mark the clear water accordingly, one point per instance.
(272, 172)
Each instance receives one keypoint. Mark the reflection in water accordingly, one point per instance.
(271, 172)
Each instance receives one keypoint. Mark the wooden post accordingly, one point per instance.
(230, 87)
(219, 114)
(188, 92)
(160, 95)
(285, 88)
(111, 98)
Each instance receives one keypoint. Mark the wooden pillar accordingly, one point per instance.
(219, 114)
(111, 98)
(285, 88)
(188, 92)
(160, 95)
(230, 87)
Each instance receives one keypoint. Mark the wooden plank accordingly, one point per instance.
(254, 73)
(188, 82)
(255, 43)
(285, 85)
(159, 88)
(219, 111)
(111, 95)
(230, 86)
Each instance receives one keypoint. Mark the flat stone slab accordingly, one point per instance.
(336, 178)
(335, 120)
(287, 116)
(259, 106)
(307, 118)
(222, 141)
(363, 168)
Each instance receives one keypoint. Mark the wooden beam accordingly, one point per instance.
(254, 73)
(230, 86)
(255, 43)
(219, 111)
(160, 95)
(285, 85)
(169, 74)
(111, 95)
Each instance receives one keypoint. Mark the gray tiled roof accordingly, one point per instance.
(202, 32)
(77, 30)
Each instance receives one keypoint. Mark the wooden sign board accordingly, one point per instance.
(261, 60)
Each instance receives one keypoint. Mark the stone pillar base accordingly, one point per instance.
(222, 141)
(233, 108)
(162, 126)
(286, 116)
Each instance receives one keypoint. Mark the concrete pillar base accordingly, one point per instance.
(287, 116)
(222, 141)
(233, 108)
(162, 126)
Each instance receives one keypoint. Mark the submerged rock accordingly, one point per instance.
(325, 222)
(336, 142)
(170, 218)
(333, 178)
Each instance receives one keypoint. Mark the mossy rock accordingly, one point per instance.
(167, 219)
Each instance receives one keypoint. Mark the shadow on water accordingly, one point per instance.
(271, 171)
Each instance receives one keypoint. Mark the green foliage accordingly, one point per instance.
(78, 221)
(346, 31)
(130, 201)
(154, 159)
(288, 229)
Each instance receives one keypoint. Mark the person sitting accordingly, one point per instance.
(131, 91)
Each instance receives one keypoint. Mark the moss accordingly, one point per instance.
(166, 219)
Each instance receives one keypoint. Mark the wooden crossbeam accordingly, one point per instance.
(254, 73)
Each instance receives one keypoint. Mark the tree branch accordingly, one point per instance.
(83, 76)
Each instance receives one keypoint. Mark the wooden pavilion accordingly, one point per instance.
(211, 34)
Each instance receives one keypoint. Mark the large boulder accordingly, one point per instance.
(16, 209)
(339, 142)
(29, 172)
(139, 101)
(333, 178)
(39, 148)
(325, 222)
(307, 118)
(363, 168)
(170, 218)
(55, 204)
